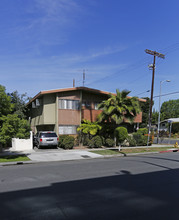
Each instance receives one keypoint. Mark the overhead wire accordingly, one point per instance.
(171, 93)
(137, 65)
(131, 68)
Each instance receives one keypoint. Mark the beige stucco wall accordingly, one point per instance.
(45, 114)
(37, 116)
(49, 111)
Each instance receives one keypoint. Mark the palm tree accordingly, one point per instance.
(119, 107)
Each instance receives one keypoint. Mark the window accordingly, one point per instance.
(87, 104)
(48, 135)
(96, 105)
(68, 129)
(69, 104)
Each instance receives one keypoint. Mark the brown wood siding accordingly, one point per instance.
(72, 95)
(90, 114)
(68, 117)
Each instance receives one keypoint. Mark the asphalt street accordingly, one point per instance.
(134, 187)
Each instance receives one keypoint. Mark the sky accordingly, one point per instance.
(45, 44)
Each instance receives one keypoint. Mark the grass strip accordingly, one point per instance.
(105, 152)
(129, 151)
(13, 158)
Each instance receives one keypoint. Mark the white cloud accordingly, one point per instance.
(92, 55)
(61, 12)
(107, 51)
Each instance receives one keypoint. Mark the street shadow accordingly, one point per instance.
(159, 158)
(8, 154)
(123, 196)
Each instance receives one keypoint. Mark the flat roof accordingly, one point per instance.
(74, 89)
(173, 120)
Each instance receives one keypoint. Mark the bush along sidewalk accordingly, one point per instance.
(66, 142)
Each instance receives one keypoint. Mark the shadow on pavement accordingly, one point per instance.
(153, 195)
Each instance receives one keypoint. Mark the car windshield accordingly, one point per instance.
(44, 135)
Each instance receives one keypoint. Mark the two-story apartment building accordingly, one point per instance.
(62, 110)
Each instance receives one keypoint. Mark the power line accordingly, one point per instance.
(167, 94)
(143, 92)
(129, 69)
(135, 66)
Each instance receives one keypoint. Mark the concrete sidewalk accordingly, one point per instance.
(61, 155)
(51, 155)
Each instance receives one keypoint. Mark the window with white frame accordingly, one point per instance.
(69, 104)
(68, 129)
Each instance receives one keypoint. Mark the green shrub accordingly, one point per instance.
(142, 131)
(109, 142)
(163, 133)
(96, 142)
(90, 143)
(82, 139)
(13, 127)
(175, 128)
(60, 141)
(103, 140)
(140, 139)
(131, 141)
(121, 134)
(66, 141)
(85, 140)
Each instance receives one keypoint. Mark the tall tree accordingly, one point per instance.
(145, 112)
(155, 117)
(13, 127)
(170, 109)
(119, 107)
(5, 102)
(19, 103)
(12, 124)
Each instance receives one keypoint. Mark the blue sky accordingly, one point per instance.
(45, 44)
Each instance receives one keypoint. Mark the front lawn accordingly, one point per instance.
(105, 152)
(131, 150)
(13, 158)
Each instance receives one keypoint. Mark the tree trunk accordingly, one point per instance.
(115, 141)
(119, 147)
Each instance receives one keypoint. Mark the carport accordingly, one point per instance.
(171, 121)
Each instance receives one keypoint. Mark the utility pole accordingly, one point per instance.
(154, 53)
(83, 77)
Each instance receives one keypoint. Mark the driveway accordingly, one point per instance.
(47, 155)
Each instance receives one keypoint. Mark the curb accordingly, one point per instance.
(17, 163)
(167, 151)
(102, 157)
